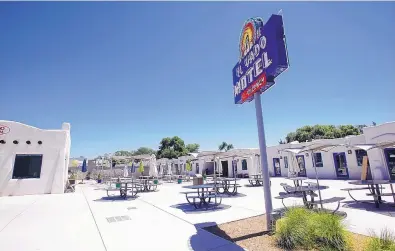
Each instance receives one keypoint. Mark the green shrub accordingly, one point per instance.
(301, 228)
(384, 242)
(292, 230)
(329, 231)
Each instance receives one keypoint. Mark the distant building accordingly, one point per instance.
(341, 162)
(32, 160)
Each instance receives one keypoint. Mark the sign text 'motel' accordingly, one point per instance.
(263, 56)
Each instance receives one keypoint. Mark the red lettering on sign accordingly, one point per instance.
(254, 87)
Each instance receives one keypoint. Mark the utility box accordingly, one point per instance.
(198, 180)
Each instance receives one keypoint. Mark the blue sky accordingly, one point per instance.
(128, 74)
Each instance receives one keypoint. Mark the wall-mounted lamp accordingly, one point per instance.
(349, 152)
(281, 157)
(307, 154)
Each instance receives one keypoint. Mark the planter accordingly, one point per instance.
(156, 182)
(118, 185)
(179, 181)
(99, 181)
(72, 181)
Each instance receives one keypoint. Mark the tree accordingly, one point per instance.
(188, 166)
(309, 133)
(193, 148)
(74, 163)
(141, 167)
(143, 150)
(122, 153)
(174, 147)
(225, 146)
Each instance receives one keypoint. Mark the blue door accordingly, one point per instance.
(301, 165)
(277, 167)
(390, 158)
(341, 165)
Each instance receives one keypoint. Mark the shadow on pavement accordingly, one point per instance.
(207, 240)
(116, 198)
(190, 209)
(387, 209)
(232, 196)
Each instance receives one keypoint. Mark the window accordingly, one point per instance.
(285, 161)
(360, 153)
(244, 164)
(27, 166)
(318, 160)
(197, 167)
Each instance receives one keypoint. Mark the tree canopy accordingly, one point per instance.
(308, 133)
(225, 146)
(123, 153)
(175, 147)
(143, 150)
(192, 148)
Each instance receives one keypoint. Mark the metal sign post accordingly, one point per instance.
(263, 57)
(264, 163)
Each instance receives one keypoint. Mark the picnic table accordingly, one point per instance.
(297, 180)
(299, 191)
(125, 185)
(168, 177)
(147, 183)
(229, 186)
(256, 180)
(375, 188)
(203, 194)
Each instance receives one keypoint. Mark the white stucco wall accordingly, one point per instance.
(55, 149)
(328, 170)
(379, 134)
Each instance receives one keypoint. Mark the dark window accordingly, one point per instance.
(2, 141)
(360, 153)
(285, 161)
(39, 142)
(15, 142)
(27, 166)
(28, 142)
(244, 164)
(197, 167)
(318, 160)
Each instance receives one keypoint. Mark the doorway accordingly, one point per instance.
(390, 158)
(277, 167)
(341, 165)
(302, 165)
(225, 171)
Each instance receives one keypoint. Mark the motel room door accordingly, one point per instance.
(225, 171)
(302, 165)
(277, 167)
(341, 165)
(390, 158)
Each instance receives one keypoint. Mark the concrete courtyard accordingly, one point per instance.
(162, 220)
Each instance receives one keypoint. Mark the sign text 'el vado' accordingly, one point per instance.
(263, 56)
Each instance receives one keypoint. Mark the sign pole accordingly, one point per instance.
(264, 163)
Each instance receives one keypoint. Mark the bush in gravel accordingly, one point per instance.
(328, 231)
(305, 229)
(292, 230)
(384, 242)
